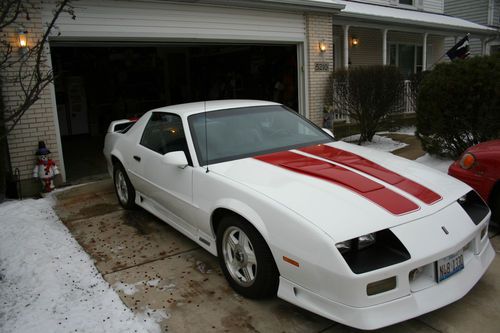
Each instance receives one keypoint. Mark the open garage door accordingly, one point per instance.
(100, 82)
(121, 58)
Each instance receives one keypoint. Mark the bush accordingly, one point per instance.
(459, 105)
(367, 94)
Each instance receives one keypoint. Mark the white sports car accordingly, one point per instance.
(361, 237)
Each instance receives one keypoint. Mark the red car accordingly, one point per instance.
(479, 167)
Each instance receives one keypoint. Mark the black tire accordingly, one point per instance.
(263, 277)
(124, 190)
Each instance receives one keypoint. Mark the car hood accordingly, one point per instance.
(493, 145)
(338, 194)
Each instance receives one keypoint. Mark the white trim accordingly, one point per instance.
(302, 81)
(415, 54)
(346, 46)
(337, 48)
(384, 46)
(55, 116)
(490, 44)
(424, 52)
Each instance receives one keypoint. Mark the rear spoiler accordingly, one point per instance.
(121, 124)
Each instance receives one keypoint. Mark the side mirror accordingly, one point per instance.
(329, 132)
(176, 158)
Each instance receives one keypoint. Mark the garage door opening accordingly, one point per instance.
(95, 85)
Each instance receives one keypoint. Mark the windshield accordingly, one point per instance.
(244, 132)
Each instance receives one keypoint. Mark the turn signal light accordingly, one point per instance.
(381, 286)
(467, 161)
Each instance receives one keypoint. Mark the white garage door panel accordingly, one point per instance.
(140, 19)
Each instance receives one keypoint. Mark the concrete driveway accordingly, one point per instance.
(158, 271)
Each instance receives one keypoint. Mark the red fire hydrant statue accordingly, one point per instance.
(45, 168)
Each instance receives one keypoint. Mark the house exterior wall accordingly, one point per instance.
(128, 20)
(141, 20)
(495, 15)
(475, 11)
(318, 28)
(38, 122)
(435, 6)
(369, 51)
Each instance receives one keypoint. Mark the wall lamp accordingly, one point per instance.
(322, 46)
(23, 40)
(355, 41)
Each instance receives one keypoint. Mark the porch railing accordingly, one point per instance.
(339, 112)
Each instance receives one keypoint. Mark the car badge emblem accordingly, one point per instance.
(445, 230)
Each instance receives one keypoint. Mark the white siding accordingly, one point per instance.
(435, 6)
(495, 17)
(380, 2)
(140, 20)
(369, 50)
(475, 11)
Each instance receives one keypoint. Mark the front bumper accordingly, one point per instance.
(400, 309)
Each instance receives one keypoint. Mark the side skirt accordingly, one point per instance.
(205, 241)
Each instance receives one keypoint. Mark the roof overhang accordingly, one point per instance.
(408, 19)
(322, 6)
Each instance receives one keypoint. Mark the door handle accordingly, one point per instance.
(137, 158)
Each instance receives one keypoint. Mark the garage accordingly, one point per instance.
(120, 60)
(97, 84)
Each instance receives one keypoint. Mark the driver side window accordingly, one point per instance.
(164, 133)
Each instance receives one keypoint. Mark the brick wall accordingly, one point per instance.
(38, 122)
(318, 28)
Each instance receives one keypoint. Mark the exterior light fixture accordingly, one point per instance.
(322, 46)
(23, 40)
(355, 41)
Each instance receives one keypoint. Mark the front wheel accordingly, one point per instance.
(123, 188)
(245, 259)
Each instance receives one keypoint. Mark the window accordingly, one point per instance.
(164, 133)
(407, 57)
(406, 2)
(250, 131)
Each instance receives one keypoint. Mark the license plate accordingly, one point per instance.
(450, 265)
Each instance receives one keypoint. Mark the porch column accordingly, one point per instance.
(384, 47)
(424, 52)
(483, 46)
(346, 46)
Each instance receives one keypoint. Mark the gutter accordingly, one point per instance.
(282, 5)
(420, 24)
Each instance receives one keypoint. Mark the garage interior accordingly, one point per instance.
(95, 84)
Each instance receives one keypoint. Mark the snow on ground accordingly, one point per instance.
(387, 144)
(435, 162)
(49, 284)
(379, 142)
(409, 130)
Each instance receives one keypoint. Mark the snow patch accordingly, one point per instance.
(434, 162)
(49, 284)
(378, 142)
(127, 289)
(157, 315)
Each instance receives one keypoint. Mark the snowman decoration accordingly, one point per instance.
(45, 168)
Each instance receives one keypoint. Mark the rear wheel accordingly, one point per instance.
(123, 188)
(245, 259)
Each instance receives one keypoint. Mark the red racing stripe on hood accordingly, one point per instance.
(373, 191)
(373, 169)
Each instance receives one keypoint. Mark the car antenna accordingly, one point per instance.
(206, 134)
